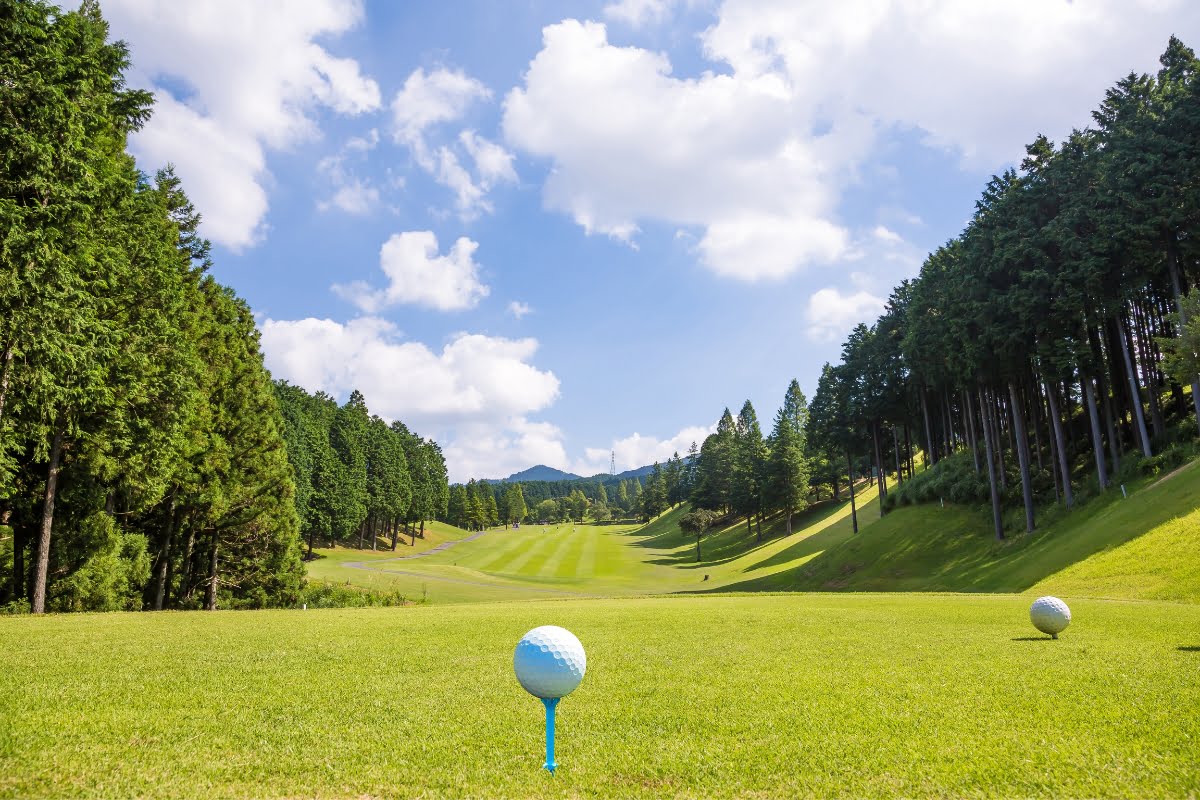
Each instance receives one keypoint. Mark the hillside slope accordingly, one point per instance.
(1143, 547)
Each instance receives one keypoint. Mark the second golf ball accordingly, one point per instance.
(549, 661)
(1050, 615)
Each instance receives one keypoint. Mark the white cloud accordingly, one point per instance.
(519, 309)
(254, 76)
(493, 163)
(831, 313)
(432, 99)
(352, 194)
(637, 13)
(630, 142)
(885, 234)
(757, 153)
(497, 451)
(418, 274)
(473, 396)
(635, 450)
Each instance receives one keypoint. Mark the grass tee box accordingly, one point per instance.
(763, 696)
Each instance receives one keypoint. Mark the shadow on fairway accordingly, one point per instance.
(1188, 648)
(1032, 639)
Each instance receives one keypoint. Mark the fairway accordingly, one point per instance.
(884, 695)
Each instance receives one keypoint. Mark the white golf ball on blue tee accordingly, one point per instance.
(549, 662)
(1050, 615)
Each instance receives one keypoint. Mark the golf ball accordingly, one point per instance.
(549, 661)
(1050, 615)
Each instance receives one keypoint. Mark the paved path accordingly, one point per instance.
(369, 566)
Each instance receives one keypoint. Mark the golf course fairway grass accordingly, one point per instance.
(736, 696)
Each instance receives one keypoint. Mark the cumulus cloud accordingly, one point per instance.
(630, 142)
(755, 154)
(474, 395)
(432, 99)
(637, 13)
(497, 451)
(352, 193)
(636, 450)
(418, 274)
(832, 313)
(249, 78)
(519, 309)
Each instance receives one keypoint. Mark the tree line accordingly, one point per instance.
(738, 471)
(144, 450)
(357, 477)
(1052, 346)
(141, 459)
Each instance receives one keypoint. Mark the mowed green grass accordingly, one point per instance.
(741, 696)
(1142, 547)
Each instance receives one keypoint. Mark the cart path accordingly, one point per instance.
(445, 546)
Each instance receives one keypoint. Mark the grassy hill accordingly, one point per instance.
(1137, 548)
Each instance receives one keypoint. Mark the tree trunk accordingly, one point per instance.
(5, 371)
(185, 582)
(1097, 445)
(929, 454)
(1145, 353)
(698, 548)
(164, 559)
(972, 436)
(1173, 266)
(41, 562)
(947, 425)
(998, 451)
(395, 532)
(987, 443)
(312, 535)
(879, 467)
(908, 452)
(1022, 453)
(853, 509)
(1134, 393)
(18, 575)
(1057, 443)
(210, 593)
(896, 447)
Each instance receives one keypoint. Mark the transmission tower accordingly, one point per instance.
(612, 464)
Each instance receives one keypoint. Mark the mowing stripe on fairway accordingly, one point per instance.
(586, 566)
(562, 563)
(515, 566)
(488, 560)
(549, 566)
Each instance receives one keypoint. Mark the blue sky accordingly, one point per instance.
(543, 231)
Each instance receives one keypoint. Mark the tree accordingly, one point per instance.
(697, 523)
(788, 467)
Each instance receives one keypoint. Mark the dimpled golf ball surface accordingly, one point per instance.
(1050, 615)
(549, 661)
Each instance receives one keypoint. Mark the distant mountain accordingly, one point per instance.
(541, 473)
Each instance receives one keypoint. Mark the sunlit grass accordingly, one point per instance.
(847, 695)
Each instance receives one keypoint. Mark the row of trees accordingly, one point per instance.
(358, 478)
(1050, 340)
(738, 471)
(142, 463)
(479, 504)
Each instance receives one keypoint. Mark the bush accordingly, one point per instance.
(332, 595)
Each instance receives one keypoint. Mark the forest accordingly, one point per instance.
(1052, 347)
(144, 450)
(357, 477)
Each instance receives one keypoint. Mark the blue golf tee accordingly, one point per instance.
(550, 703)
